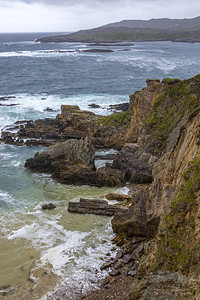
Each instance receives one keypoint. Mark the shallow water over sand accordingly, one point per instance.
(42, 249)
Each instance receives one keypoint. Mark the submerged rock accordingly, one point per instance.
(93, 105)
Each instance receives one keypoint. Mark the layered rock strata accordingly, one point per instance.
(94, 206)
(166, 211)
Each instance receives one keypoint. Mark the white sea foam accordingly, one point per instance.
(148, 62)
(41, 234)
(75, 256)
(124, 190)
(82, 270)
(6, 197)
(19, 43)
(45, 53)
(33, 106)
(59, 256)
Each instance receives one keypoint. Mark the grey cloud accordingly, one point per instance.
(63, 2)
(83, 2)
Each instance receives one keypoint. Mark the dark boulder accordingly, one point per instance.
(77, 174)
(49, 206)
(49, 109)
(119, 107)
(93, 105)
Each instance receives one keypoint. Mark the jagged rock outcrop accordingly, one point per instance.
(135, 163)
(72, 162)
(141, 104)
(68, 162)
(72, 123)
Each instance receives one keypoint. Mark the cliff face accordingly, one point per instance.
(166, 123)
(141, 104)
(172, 257)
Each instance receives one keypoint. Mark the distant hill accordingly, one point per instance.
(165, 23)
(181, 30)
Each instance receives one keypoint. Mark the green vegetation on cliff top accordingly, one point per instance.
(179, 98)
(116, 119)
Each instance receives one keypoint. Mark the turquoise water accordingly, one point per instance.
(41, 252)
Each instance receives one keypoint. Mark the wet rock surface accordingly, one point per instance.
(12, 104)
(5, 98)
(105, 157)
(93, 105)
(49, 206)
(94, 206)
(120, 272)
(119, 107)
(97, 50)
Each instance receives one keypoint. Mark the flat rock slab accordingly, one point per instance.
(94, 206)
(118, 197)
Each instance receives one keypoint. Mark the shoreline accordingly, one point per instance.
(115, 290)
(120, 42)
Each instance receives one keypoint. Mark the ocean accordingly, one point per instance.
(44, 254)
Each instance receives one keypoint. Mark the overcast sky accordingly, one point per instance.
(73, 15)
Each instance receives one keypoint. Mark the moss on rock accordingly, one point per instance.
(179, 98)
(116, 119)
(179, 246)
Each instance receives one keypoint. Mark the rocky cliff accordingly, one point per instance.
(167, 211)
